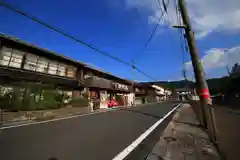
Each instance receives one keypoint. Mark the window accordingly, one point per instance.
(16, 59)
(52, 68)
(31, 62)
(42, 65)
(5, 56)
(10, 57)
(71, 72)
(61, 70)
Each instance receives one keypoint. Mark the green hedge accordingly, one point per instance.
(79, 102)
(48, 105)
(31, 98)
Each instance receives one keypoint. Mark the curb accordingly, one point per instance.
(26, 122)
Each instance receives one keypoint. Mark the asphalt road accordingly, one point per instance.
(93, 137)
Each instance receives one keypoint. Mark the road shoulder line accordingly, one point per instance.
(62, 118)
(57, 119)
(123, 154)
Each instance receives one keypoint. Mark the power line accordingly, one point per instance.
(37, 20)
(169, 20)
(183, 44)
(148, 41)
(152, 33)
(142, 72)
(165, 6)
(59, 31)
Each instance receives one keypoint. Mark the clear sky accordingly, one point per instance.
(122, 27)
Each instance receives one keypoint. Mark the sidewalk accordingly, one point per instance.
(183, 139)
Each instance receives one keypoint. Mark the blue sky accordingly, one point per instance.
(122, 27)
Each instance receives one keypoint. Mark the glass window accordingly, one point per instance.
(6, 51)
(61, 70)
(5, 60)
(31, 62)
(5, 56)
(52, 68)
(42, 65)
(10, 57)
(71, 72)
(16, 59)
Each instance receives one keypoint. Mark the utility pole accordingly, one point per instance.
(202, 87)
(133, 70)
(133, 82)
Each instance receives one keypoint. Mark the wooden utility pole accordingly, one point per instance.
(133, 87)
(202, 87)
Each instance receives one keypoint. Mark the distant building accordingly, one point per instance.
(183, 93)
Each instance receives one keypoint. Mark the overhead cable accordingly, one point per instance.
(34, 18)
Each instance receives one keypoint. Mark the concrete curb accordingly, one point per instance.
(47, 119)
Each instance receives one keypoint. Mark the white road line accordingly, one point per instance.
(59, 119)
(53, 120)
(134, 144)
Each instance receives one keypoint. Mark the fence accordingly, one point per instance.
(222, 126)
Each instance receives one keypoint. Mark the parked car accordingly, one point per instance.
(112, 103)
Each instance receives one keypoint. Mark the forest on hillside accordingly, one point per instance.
(229, 86)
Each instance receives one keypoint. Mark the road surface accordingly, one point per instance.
(98, 136)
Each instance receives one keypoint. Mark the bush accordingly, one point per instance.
(51, 100)
(4, 101)
(48, 105)
(61, 98)
(79, 102)
(15, 101)
(28, 101)
(4, 98)
(34, 97)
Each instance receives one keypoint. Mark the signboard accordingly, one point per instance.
(120, 86)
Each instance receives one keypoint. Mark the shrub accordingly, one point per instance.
(4, 98)
(28, 101)
(79, 102)
(49, 100)
(15, 101)
(61, 98)
(48, 105)
(5, 101)
(34, 97)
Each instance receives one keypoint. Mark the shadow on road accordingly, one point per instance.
(140, 112)
(145, 113)
(145, 148)
(52, 158)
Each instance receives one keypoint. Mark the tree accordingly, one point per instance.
(235, 70)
